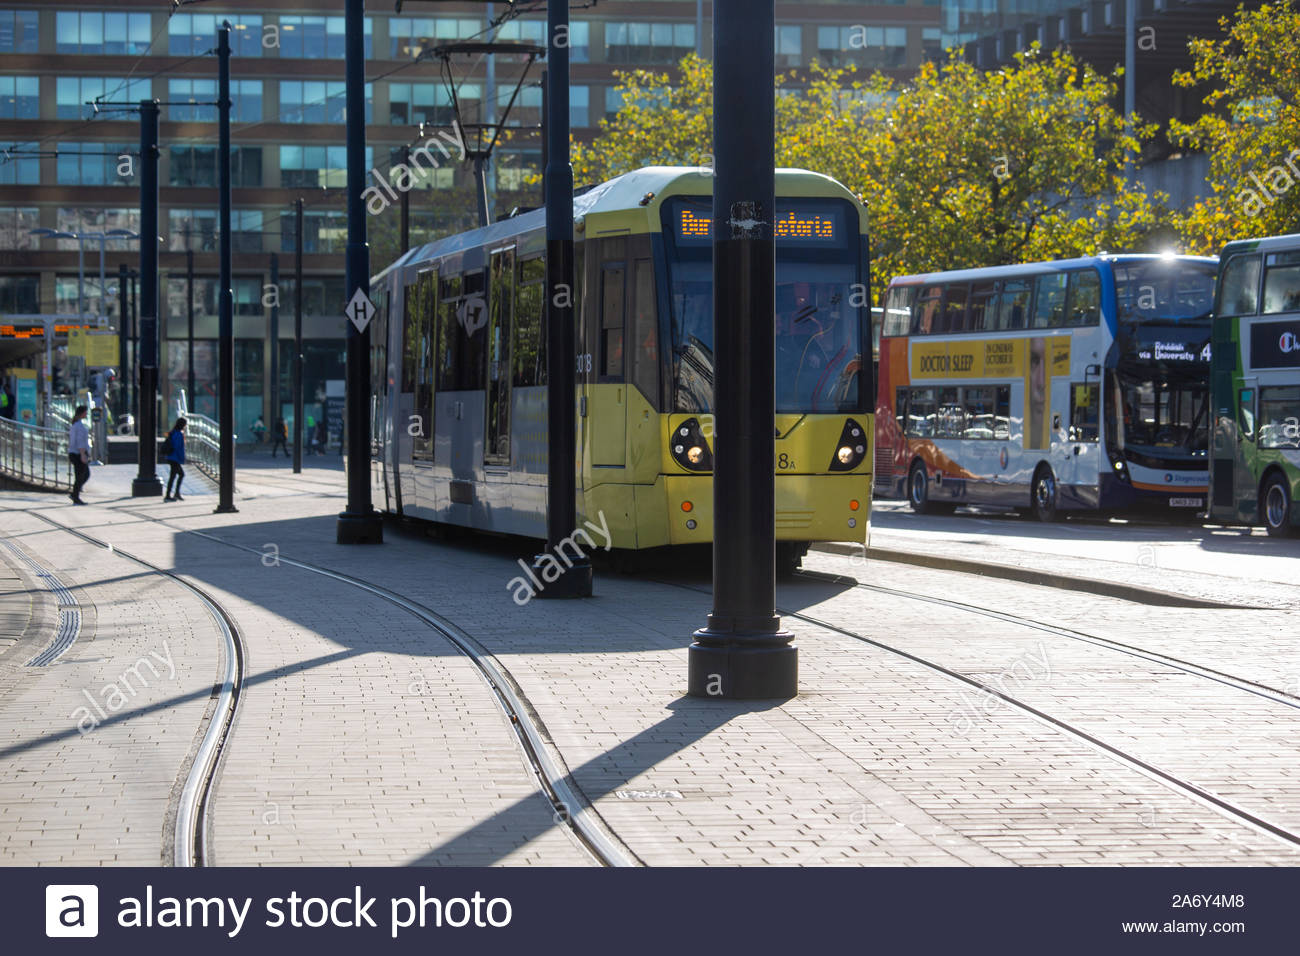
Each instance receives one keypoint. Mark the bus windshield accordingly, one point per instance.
(1159, 418)
(1161, 290)
(818, 337)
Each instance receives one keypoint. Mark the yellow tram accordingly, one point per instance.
(459, 368)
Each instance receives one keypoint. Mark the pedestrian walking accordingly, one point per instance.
(319, 438)
(259, 430)
(79, 453)
(175, 457)
(281, 437)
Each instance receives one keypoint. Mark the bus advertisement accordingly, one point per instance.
(1255, 385)
(1073, 385)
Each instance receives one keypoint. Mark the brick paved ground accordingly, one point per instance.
(363, 739)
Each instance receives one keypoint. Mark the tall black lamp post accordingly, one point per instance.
(743, 652)
(146, 483)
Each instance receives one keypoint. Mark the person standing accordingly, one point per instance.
(7, 402)
(281, 437)
(79, 453)
(175, 457)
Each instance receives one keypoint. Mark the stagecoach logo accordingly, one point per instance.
(1003, 458)
(1168, 477)
(1288, 343)
(472, 313)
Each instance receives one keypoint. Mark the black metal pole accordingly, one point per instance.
(191, 400)
(134, 358)
(360, 523)
(743, 652)
(406, 202)
(297, 342)
(146, 483)
(225, 294)
(123, 335)
(480, 190)
(275, 337)
(561, 339)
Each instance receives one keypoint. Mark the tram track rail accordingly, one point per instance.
(569, 805)
(1226, 807)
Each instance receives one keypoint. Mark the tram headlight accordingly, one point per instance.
(851, 449)
(688, 447)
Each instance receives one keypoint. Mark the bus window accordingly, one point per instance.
(900, 409)
(1085, 298)
(898, 310)
(979, 402)
(1281, 284)
(1084, 404)
(1049, 302)
(1279, 416)
(1239, 288)
(926, 313)
(920, 413)
(1246, 403)
(1002, 417)
(1013, 304)
(954, 309)
(952, 417)
(983, 306)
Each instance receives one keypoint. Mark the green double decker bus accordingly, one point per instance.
(1255, 385)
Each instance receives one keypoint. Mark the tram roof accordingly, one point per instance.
(622, 194)
(1037, 268)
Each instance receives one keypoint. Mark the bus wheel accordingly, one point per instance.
(1275, 507)
(1043, 495)
(918, 490)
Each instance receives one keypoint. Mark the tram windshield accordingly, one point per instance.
(1163, 290)
(818, 326)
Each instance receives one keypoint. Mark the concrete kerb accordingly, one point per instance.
(1064, 582)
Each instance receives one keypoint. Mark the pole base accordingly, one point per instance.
(360, 528)
(767, 669)
(225, 510)
(574, 580)
(146, 488)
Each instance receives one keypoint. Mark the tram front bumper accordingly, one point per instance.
(808, 508)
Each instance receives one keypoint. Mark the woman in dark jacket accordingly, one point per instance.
(175, 457)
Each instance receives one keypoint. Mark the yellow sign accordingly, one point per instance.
(1004, 358)
(1060, 346)
(97, 348)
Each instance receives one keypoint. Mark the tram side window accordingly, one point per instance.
(1282, 284)
(1013, 304)
(462, 317)
(613, 281)
(1049, 300)
(1085, 403)
(954, 309)
(1085, 298)
(926, 314)
(1279, 416)
(983, 306)
(645, 331)
(528, 352)
(426, 324)
(410, 339)
(1239, 288)
(920, 413)
(898, 310)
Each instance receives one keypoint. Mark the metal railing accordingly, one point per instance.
(203, 444)
(35, 456)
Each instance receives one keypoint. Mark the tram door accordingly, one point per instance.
(501, 297)
(607, 397)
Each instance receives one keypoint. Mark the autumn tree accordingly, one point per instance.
(959, 167)
(1250, 129)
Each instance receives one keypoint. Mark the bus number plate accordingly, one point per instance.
(1187, 502)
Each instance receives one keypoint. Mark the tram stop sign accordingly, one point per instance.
(360, 310)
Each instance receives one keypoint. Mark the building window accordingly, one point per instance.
(515, 166)
(77, 219)
(18, 164)
(789, 45)
(16, 224)
(648, 42)
(192, 229)
(246, 166)
(410, 104)
(18, 31)
(862, 46)
(932, 43)
(312, 166)
(20, 295)
(316, 38)
(192, 34)
(579, 105)
(75, 92)
(527, 111)
(192, 165)
(195, 92)
(97, 164)
(426, 172)
(94, 32)
(246, 230)
(407, 36)
(323, 231)
(245, 101)
(317, 101)
(20, 97)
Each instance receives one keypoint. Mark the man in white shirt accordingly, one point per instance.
(79, 452)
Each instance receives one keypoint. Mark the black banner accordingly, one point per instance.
(662, 912)
(1275, 344)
